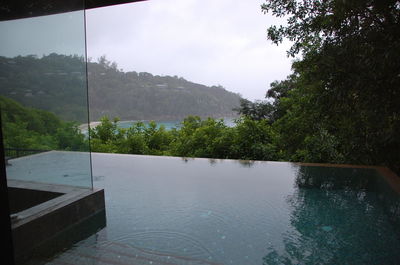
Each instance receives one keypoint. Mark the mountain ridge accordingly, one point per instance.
(154, 97)
(54, 83)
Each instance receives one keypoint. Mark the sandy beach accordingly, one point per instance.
(84, 126)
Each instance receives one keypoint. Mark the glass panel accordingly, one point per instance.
(43, 97)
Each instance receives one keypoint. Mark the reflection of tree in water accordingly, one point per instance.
(246, 163)
(330, 178)
(335, 220)
(212, 161)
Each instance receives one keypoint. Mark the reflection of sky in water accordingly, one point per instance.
(55, 167)
(61, 33)
(200, 211)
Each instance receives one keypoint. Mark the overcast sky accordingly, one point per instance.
(213, 42)
(61, 33)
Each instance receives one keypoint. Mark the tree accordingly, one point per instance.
(29, 128)
(254, 140)
(258, 110)
(106, 130)
(348, 75)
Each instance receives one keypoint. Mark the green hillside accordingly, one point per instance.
(138, 96)
(28, 128)
(54, 83)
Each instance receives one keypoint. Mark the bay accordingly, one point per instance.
(168, 125)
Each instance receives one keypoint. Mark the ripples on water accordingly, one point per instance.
(168, 211)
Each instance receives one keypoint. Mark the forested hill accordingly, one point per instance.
(54, 83)
(137, 96)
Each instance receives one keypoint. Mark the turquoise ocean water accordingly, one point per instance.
(168, 124)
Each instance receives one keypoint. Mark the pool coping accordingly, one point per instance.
(44, 223)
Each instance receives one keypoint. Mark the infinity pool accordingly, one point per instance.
(164, 210)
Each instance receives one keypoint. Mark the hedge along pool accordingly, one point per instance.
(164, 210)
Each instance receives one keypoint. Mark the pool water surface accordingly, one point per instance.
(164, 210)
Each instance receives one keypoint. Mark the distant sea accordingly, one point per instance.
(169, 125)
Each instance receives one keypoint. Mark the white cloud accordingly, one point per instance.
(208, 41)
